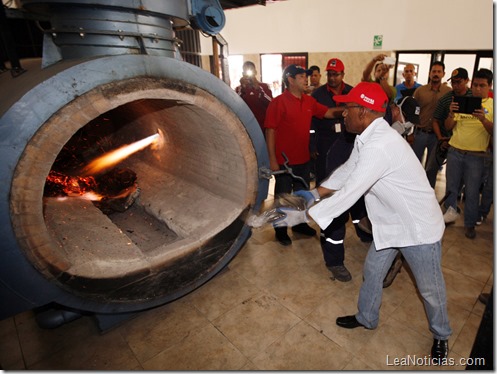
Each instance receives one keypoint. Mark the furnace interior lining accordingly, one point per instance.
(203, 178)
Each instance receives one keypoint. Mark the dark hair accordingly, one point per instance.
(314, 67)
(440, 63)
(248, 65)
(485, 74)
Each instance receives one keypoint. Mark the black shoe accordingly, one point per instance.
(15, 72)
(304, 229)
(340, 273)
(282, 236)
(439, 350)
(349, 322)
(483, 298)
(470, 232)
(366, 239)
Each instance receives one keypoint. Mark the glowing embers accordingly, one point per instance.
(58, 184)
(115, 189)
(112, 191)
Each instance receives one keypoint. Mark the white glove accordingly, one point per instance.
(292, 217)
(309, 196)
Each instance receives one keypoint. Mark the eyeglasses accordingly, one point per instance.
(350, 107)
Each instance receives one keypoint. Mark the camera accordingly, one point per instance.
(389, 61)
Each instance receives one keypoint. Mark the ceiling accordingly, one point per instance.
(229, 4)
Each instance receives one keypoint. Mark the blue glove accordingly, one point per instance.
(309, 196)
(292, 217)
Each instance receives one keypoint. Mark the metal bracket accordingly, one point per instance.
(266, 173)
(208, 16)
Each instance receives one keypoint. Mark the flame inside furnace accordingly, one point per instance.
(114, 157)
(97, 181)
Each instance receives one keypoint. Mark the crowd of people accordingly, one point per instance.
(375, 151)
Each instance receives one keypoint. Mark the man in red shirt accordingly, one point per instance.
(288, 124)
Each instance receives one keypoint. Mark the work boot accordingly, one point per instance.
(282, 236)
(470, 232)
(483, 298)
(340, 273)
(304, 229)
(15, 72)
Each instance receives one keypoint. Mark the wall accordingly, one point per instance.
(350, 26)
(346, 29)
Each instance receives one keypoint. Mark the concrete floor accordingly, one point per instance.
(273, 308)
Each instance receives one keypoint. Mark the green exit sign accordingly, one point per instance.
(378, 42)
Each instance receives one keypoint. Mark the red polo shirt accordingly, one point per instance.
(290, 117)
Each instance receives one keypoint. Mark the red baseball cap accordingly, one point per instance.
(367, 94)
(335, 64)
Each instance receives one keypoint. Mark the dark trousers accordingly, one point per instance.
(7, 45)
(285, 183)
(323, 145)
(333, 236)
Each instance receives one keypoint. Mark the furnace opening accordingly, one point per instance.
(90, 167)
(190, 192)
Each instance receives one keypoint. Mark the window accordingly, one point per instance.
(235, 63)
(272, 71)
(470, 60)
(453, 61)
(487, 63)
(421, 62)
(272, 66)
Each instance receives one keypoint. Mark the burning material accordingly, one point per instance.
(114, 190)
(120, 190)
(118, 184)
(112, 158)
(58, 184)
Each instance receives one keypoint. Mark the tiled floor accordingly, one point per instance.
(273, 308)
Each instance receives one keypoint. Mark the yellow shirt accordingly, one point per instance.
(469, 133)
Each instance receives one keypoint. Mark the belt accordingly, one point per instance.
(425, 130)
(326, 131)
(472, 153)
